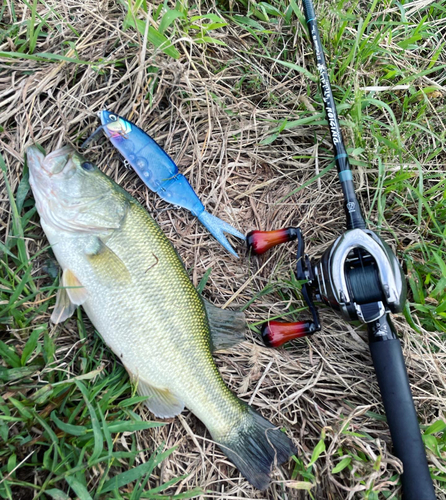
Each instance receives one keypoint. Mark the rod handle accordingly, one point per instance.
(402, 419)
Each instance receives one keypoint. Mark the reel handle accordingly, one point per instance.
(276, 333)
(402, 419)
(259, 242)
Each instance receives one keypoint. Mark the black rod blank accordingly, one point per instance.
(401, 416)
(355, 219)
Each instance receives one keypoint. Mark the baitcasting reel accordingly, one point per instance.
(358, 276)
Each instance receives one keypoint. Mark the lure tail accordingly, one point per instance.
(255, 446)
(178, 191)
(217, 227)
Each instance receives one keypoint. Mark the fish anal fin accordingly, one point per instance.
(107, 264)
(77, 293)
(161, 402)
(64, 308)
(227, 327)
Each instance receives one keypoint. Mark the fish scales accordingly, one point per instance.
(119, 265)
(177, 337)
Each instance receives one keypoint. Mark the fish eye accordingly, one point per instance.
(113, 118)
(87, 166)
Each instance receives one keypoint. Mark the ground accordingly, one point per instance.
(230, 90)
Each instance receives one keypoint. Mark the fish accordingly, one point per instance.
(120, 267)
(160, 173)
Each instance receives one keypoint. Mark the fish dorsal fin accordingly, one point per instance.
(162, 403)
(107, 264)
(77, 293)
(64, 308)
(227, 327)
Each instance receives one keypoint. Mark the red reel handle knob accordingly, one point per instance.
(276, 333)
(260, 241)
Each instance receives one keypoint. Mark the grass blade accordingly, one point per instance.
(134, 474)
(97, 433)
(80, 490)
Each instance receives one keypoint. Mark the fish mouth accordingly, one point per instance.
(114, 124)
(52, 164)
(107, 116)
(103, 116)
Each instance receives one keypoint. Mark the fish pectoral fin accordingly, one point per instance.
(64, 308)
(162, 403)
(76, 292)
(107, 264)
(227, 327)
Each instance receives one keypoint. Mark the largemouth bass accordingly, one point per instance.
(117, 263)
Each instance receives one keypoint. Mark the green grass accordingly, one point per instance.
(62, 412)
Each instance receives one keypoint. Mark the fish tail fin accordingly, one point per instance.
(217, 227)
(254, 446)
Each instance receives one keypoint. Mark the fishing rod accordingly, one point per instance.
(361, 279)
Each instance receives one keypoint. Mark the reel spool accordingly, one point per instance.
(358, 276)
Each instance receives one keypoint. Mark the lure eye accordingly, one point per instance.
(87, 166)
(113, 118)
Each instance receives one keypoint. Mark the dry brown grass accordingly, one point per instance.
(211, 120)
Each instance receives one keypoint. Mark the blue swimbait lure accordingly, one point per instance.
(160, 173)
